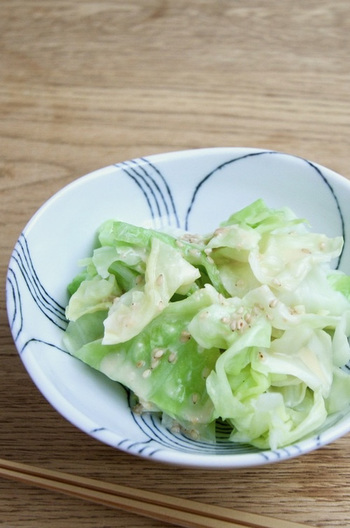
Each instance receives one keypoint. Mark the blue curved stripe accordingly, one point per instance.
(21, 262)
(146, 189)
(320, 173)
(17, 315)
(171, 208)
(43, 342)
(218, 168)
(154, 188)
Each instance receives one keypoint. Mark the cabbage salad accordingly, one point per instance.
(248, 324)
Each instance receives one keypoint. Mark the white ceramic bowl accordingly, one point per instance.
(194, 190)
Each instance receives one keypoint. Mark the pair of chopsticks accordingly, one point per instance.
(172, 510)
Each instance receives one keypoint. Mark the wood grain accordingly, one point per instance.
(85, 84)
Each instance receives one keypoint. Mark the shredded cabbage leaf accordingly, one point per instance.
(248, 324)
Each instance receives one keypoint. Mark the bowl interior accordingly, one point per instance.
(193, 190)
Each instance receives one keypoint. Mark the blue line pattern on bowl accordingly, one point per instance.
(341, 217)
(22, 264)
(154, 187)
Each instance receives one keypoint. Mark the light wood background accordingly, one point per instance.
(84, 84)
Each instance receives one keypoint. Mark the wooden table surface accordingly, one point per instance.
(88, 83)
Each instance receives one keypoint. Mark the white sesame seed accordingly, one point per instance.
(185, 336)
(154, 363)
(273, 303)
(248, 317)
(195, 398)
(140, 363)
(138, 408)
(192, 238)
(175, 428)
(195, 252)
(147, 406)
(158, 353)
(241, 324)
(205, 372)
(276, 283)
(297, 310)
(146, 373)
(172, 357)
(160, 279)
(194, 434)
(221, 299)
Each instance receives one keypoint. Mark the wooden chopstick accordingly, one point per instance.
(172, 510)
